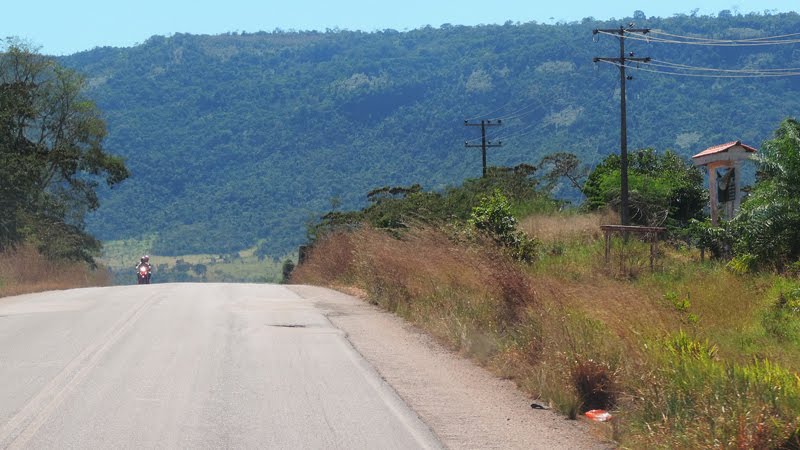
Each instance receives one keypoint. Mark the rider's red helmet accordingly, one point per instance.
(145, 258)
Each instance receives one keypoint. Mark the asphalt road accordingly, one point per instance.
(190, 366)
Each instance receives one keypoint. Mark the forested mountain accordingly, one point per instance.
(239, 137)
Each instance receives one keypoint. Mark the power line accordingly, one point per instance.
(717, 43)
(700, 38)
(521, 112)
(536, 106)
(709, 75)
(530, 128)
(742, 43)
(531, 108)
(492, 113)
(509, 115)
(524, 131)
(656, 62)
(517, 113)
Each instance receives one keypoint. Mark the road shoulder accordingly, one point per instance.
(465, 405)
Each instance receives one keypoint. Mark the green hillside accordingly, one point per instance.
(240, 137)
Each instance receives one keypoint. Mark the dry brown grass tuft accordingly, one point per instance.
(422, 264)
(595, 385)
(24, 270)
(514, 286)
(329, 262)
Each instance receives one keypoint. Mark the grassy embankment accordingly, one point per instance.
(690, 356)
(24, 271)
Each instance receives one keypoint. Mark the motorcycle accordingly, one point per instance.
(144, 274)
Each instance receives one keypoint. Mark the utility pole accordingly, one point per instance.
(623, 157)
(484, 143)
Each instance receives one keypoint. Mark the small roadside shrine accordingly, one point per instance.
(724, 171)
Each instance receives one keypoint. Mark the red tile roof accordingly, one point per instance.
(724, 148)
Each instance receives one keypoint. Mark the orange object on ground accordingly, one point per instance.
(598, 415)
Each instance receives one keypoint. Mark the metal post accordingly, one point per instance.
(484, 143)
(623, 157)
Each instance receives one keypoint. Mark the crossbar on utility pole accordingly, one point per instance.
(623, 157)
(484, 143)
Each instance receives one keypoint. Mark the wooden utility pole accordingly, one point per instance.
(484, 143)
(623, 157)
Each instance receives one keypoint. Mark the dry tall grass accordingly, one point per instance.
(469, 294)
(568, 227)
(460, 292)
(24, 270)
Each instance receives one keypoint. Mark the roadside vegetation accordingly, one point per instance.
(694, 354)
(24, 270)
(51, 165)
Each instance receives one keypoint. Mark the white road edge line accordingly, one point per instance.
(421, 431)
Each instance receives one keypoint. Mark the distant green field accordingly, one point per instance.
(244, 266)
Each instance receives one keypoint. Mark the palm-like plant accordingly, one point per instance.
(768, 225)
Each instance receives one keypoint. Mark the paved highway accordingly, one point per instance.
(189, 366)
(247, 366)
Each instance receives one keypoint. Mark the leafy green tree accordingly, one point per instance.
(596, 197)
(16, 161)
(394, 207)
(664, 188)
(51, 155)
(200, 269)
(493, 215)
(286, 271)
(768, 225)
(705, 236)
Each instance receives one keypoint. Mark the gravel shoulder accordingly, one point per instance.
(465, 405)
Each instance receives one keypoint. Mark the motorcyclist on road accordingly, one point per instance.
(144, 261)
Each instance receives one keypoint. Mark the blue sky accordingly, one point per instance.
(67, 26)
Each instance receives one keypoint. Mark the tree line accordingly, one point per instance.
(665, 190)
